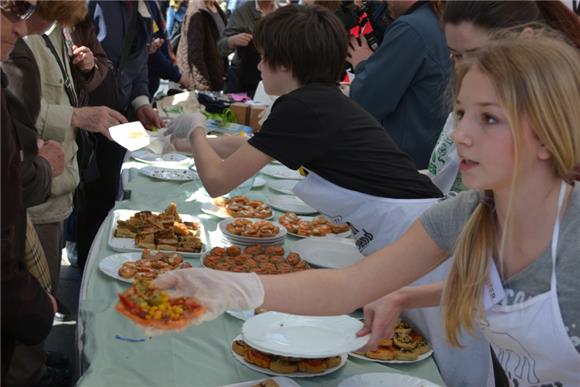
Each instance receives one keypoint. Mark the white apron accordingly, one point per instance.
(530, 338)
(375, 221)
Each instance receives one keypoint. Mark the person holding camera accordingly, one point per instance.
(402, 83)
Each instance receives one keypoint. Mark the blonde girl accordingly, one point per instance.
(514, 237)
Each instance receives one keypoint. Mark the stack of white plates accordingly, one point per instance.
(303, 336)
(229, 238)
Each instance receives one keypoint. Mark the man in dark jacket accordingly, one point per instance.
(128, 93)
(27, 310)
(402, 84)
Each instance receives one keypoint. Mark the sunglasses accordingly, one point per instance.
(17, 10)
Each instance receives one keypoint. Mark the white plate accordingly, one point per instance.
(258, 182)
(128, 244)
(241, 314)
(110, 265)
(172, 174)
(281, 172)
(228, 242)
(146, 156)
(303, 336)
(384, 379)
(131, 136)
(329, 252)
(282, 186)
(289, 203)
(220, 212)
(278, 237)
(281, 380)
(345, 234)
(343, 359)
(421, 357)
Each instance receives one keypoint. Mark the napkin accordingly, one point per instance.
(131, 136)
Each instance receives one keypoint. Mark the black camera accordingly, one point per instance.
(353, 16)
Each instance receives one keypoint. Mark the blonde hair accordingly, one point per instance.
(65, 12)
(537, 79)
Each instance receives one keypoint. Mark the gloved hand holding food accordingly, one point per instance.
(183, 126)
(216, 290)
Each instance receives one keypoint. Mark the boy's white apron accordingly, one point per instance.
(530, 338)
(377, 222)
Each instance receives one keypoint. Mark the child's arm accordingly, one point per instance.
(220, 176)
(330, 292)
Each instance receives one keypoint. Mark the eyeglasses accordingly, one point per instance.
(17, 10)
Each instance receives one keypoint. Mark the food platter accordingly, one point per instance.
(278, 237)
(343, 358)
(220, 212)
(128, 245)
(420, 358)
(170, 174)
(294, 228)
(303, 336)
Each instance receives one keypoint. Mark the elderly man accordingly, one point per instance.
(27, 310)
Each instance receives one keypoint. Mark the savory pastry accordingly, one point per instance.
(403, 340)
(256, 259)
(403, 327)
(422, 347)
(283, 366)
(385, 342)
(381, 354)
(312, 366)
(151, 265)
(258, 358)
(150, 307)
(165, 231)
(334, 361)
(240, 347)
(407, 355)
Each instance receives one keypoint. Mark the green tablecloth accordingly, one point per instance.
(199, 356)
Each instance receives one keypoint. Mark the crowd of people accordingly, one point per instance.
(453, 159)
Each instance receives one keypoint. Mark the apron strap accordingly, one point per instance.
(556, 234)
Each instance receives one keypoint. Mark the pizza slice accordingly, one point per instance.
(152, 308)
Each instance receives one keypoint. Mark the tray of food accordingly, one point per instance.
(167, 231)
(257, 259)
(252, 231)
(282, 365)
(406, 346)
(307, 226)
(238, 207)
(149, 264)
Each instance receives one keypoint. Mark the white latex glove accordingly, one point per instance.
(182, 126)
(214, 289)
(161, 145)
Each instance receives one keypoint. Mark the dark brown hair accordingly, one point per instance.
(65, 12)
(309, 40)
(493, 15)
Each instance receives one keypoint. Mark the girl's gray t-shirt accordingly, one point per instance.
(444, 222)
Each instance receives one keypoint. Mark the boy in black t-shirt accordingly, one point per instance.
(356, 172)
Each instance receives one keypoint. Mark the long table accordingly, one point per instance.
(113, 352)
